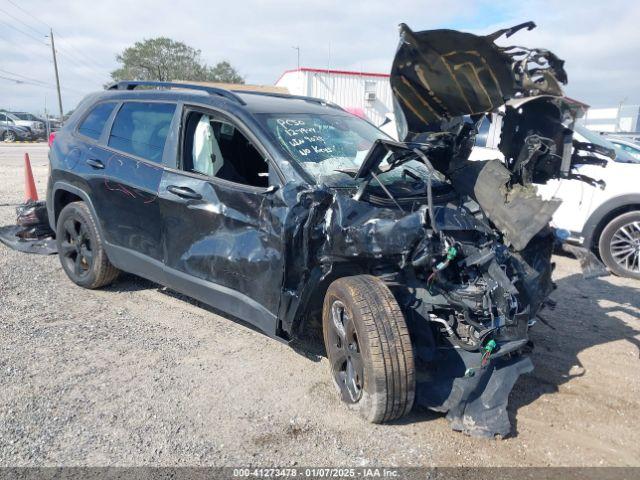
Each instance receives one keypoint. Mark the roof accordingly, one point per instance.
(239, 87)
(259, 102)
(250, 100)
(335, 72)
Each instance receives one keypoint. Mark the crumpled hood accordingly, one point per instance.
(442, 74)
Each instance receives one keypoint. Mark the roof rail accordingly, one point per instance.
(132, 85)
(295, 97)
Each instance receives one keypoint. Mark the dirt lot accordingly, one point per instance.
(134, 374)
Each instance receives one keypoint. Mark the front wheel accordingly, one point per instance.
(80, 248)
(369, 348)
(619, 245)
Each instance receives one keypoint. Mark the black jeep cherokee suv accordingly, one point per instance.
(426, 269)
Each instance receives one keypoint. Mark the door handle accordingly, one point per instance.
(93, 163)
(184, 192)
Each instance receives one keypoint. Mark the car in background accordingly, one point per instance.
(13, 133)
(9, 120)
(603, 219)
(54, 124)
(631, 148)
(35, 124)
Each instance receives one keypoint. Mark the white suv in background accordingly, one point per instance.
(631, 148)
(607, 220)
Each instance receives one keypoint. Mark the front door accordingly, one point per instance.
(221, 243)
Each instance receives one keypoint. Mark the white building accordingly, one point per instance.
(623, 118)
(364, 94)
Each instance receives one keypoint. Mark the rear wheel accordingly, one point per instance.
(619, 245)
(369, 348)
(80, 248)
(9, 136)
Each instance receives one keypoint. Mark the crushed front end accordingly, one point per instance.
(465, 246)
(482, 272)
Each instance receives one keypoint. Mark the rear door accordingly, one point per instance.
(125, 170)
(222, 244)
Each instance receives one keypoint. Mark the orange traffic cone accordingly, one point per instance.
(30, 192)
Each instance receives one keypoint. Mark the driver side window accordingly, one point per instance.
(215, 147)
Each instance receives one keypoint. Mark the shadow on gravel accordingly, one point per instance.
(578, 322)
(311, 346)
(127, 282)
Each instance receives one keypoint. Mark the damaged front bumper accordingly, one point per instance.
(475, 405)
(471, 268)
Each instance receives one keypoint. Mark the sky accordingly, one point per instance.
(599, 41)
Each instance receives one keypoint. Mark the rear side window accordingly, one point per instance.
(93, 124)
(141, 129)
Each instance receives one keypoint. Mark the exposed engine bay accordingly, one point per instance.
(468, 252)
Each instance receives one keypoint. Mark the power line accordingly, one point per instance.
(29, 13)
(25, 33)
(86, 75)
(76, 61)
(38, 84)
(23, 23)
(32, 82)
(27, 82)
(44, 58)
(25, 77)
(22, 79)
(99, 76)
(78, 55)
(21, 50)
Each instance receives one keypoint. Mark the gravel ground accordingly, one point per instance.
(137, 375)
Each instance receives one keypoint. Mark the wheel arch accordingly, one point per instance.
(307, 314)
(63, 194)
(604, 214)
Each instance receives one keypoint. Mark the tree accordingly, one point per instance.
(224, 72)
(163, 59)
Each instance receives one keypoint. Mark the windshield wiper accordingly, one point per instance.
(352, 172)
(386, 190)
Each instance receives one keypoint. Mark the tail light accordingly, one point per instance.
(52, 137)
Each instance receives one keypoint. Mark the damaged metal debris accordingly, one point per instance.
(31, 233)
(469, 257)
(427, 269)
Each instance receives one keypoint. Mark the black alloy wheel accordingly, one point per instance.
(75, 247)
(345, 354)
(369, 348)
(81, 249)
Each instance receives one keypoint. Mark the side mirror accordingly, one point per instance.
(271, 189)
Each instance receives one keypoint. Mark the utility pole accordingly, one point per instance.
(297, 48)
(46, 118)
(55, 67)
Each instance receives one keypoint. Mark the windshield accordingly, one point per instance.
(584, 134)
(326, 146)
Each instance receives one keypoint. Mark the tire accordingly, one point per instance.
(9, 136)
(619, 245)
(369, 348)
(80, 248)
